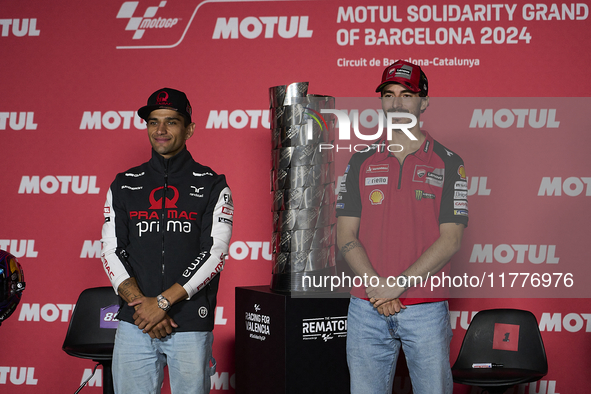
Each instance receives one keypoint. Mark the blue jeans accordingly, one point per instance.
(138, 361)
(374, 340)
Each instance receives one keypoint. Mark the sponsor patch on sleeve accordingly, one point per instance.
(460, 204)
(462, 172)
(460, 195)
(461, 185)
(225, 220)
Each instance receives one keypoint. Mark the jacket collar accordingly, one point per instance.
(423, 153)
(173, 164)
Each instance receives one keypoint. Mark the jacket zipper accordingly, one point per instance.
(163, 218)
(400, 171)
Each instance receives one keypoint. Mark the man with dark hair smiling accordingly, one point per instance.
(400, 220)
(168, 224)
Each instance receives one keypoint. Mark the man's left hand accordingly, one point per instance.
(163, 329)
(147, 313)
(383, 289)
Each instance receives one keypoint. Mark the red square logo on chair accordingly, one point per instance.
(506, 337)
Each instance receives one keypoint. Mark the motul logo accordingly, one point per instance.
(17, 376)
(110, 120)
(571, 322)
(91, 249)
(20, 27)
(19, 248)
(505, 118)
(462, 317)
(241, 250)
(46, 312)
(65, 183)
(93, 380)
(478, 186)
(572, 186)
(252, 27)
(238, 119)
(536, 254)
(17, 121)
(223, 380)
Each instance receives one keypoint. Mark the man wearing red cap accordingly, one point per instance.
(168, 224)
(401, 217)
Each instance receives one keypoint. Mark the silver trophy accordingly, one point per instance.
(303, 185)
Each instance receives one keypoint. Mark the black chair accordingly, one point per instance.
(510, 340)
(91, 333)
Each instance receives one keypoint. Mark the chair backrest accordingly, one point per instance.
(91, 333)
(510, 337)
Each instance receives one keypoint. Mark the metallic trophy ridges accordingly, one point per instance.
(303, 187)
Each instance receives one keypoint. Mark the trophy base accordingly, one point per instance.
(289, 345)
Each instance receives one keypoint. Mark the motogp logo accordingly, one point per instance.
(155, 23)
(139, 24)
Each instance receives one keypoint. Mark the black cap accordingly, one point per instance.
(167, 98)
